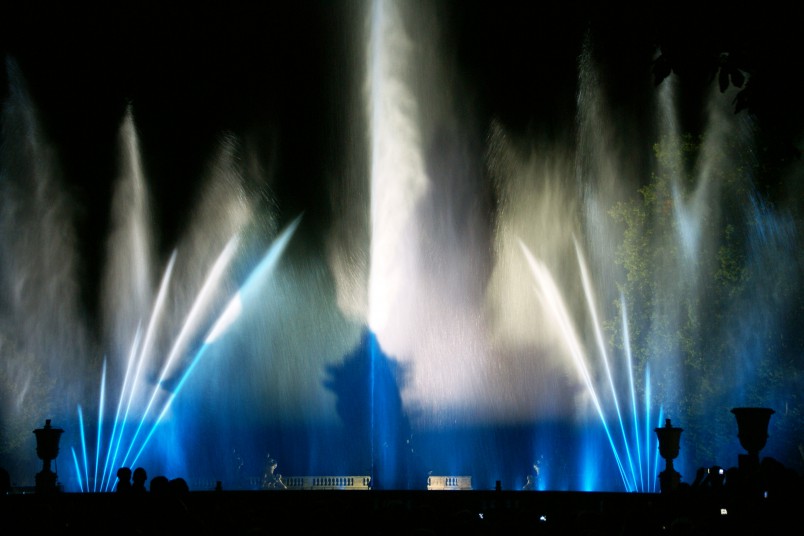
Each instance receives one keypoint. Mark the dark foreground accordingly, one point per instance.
(373, 512)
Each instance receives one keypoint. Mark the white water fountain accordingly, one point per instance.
(470, 312)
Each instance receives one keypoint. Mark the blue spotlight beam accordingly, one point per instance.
(225, 319)
(83, 444)
(629, 363)
(150, 334)
(170, 399)
(202, 298)
(77, 470)
(549, 293)
(112, 451)
(100, 425)
(642, 469)
(647, 429)
(140, 349)
(590, 294)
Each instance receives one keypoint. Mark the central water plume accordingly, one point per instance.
(422, 297)
(443, 283)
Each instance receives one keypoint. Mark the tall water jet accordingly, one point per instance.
(424, 302)
(43, 339)
(398, 184)
(128, 278)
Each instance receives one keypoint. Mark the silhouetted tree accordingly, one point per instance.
(711, 291)
(752, 50)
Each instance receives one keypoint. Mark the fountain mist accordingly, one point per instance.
(483, 300)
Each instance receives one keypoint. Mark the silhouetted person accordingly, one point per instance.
(138, 480)
(123, 480)
(160, 485)
(779, 479)
(5, 482)
(733, 483)
(710, 477)
(178, 486)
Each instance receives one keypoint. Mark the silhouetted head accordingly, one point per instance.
(159, 485)
(139, 478)
(123, 479)
(179, 486)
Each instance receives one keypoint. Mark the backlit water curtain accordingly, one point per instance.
(483, 304)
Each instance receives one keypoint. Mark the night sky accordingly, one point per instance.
(194, 70)
(281, 77)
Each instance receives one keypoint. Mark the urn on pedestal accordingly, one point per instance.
(669, 442)
(47, 449)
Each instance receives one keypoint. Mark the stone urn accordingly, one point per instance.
(47, 449)
(669, 443)
(752, 431)
(752, 428)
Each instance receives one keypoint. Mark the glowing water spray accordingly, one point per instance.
(211, 281)
(589, 294)
(112, 454)
(398, 177)
(138, 355)
(249, 290)
(550, 296)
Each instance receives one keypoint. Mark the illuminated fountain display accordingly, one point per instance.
(482, 303)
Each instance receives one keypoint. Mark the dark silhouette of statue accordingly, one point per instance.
(367, 385)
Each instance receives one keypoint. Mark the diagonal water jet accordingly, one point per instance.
(77, 466)
(83, 444)
(212, 280)
(231, 312)
(100, 425)
(113, 451)
(589, 294)
(138, 355)
(149, 336)
(630, 370)
(549, 292)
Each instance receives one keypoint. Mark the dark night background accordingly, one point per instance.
(272, 71)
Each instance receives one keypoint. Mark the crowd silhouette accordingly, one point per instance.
(762, 497)
(136, 483)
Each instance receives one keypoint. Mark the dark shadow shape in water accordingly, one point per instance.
(368, 384)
